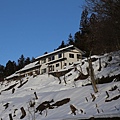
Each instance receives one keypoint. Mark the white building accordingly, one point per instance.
(53, 61)
(28, 70)
(58, 59)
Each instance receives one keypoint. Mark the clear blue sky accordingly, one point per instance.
(32, 27)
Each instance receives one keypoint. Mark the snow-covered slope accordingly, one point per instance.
(104, 103)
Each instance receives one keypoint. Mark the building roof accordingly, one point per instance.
(12, 76)
(29, 66)
(59, 50)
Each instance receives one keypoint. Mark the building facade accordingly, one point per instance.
(50, 62)
(59, 59)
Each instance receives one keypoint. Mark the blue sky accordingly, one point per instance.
(32, 27)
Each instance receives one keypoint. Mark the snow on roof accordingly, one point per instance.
(71, 46)
(29, 66)
(12, 76)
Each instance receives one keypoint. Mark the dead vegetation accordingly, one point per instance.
(93, 97)
(113, 88)
(114, 98)
(10, 116)
(15, 112)
(23, 112)
(73, 109)
(6, 105)
(59, 74)
(61, 102)
(46, 105)
(43, 106)
(81, 77)
(10, 87)
(21, 84)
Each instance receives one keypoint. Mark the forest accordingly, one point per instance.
(99, 33)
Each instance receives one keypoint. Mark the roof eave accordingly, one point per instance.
(59, 50)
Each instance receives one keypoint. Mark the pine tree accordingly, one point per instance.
(106, 29)
(84, 22)
(33, 59)
(10, 68)
(62, 45)
(27, 61)
(70, 40)
(21, 62)
(2, 69)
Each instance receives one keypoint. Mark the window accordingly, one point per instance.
(53, 57)
(43, 61)
(65, 64)
(43, 71)
(49, 59)
(78, 56)
(51, 68)
(71, 55)
(59, 55)
(57, 65)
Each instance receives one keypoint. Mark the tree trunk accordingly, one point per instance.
(91, 73)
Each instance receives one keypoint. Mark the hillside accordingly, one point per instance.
(29, 93)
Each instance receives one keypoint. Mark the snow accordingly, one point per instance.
(47, 87)
(29, 66)
(13, 75)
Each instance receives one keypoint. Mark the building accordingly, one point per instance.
(28, 70)
(59, 59)
(49, 62)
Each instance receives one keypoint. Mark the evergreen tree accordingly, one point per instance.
(27, 61)
(21, 62)
(33, 59)
(84, 22)
(10, 68)
(2, 74)
(70, 40)
(81, 37)
(45, 53)
(62, 45)
(106, 29)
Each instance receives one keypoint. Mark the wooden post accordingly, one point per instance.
(13, 90)
(35, 95)
(23, 113)
(91, 73)
(10, 116)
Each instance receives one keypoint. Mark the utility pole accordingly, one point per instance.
(91, 73)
